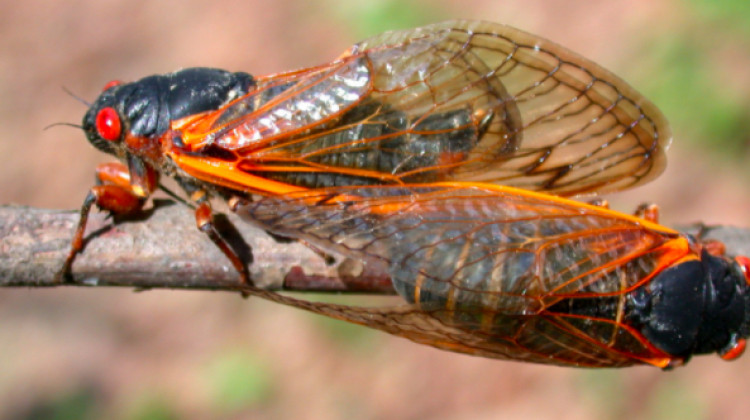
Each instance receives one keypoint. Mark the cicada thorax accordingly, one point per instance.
(143, 111)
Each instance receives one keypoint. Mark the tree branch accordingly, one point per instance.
(163, 249)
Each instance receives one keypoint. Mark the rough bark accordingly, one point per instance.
(163, 249)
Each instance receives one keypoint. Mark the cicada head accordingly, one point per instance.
(131, 117)
(726, 309)
(102, 123)
(736, 346)
(697, 307)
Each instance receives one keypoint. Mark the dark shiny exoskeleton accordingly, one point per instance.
(695, 307)
(132, 121)
(148, 106)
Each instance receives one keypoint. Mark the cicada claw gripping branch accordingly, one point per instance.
(448, 154)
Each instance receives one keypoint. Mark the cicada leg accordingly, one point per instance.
(599, 202)
(714, 247)
(327, 258)
(115, 193)
(205, 221)
(648, 211)
(236, 203)
(122, 190)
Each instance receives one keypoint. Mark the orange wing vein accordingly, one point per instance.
(455, 101)
(497, 264)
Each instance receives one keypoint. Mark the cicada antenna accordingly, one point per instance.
(78, 126)
(76, 97)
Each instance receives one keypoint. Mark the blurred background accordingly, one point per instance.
(166, 354)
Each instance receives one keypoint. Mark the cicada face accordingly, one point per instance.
(131, 119)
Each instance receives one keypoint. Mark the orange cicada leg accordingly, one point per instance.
(122, 194)
(116, 194)
(599, 202)
(205, 223)
(714, 247)
(648, 211)
(717, 248)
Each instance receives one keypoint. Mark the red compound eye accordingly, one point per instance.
(744, 263)
(108, 124)
(111, 84)
(736, 351)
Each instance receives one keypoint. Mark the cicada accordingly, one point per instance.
(444, 154)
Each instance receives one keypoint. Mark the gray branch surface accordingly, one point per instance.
(164, 249)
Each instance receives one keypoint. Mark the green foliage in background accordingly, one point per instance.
(673, 399)
(605, 391)
(733, 15)
(151, 406)
(609, 393)
(239, 380)
(692, 96)
(689, 80)
(353, 338)
(80, 403)
(370, 17)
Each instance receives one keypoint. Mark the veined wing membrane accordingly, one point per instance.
(492, 246)
(455, 101)
(487, 263)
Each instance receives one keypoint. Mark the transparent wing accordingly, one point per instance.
(428, 328)
(499, 264)
(455, 101)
